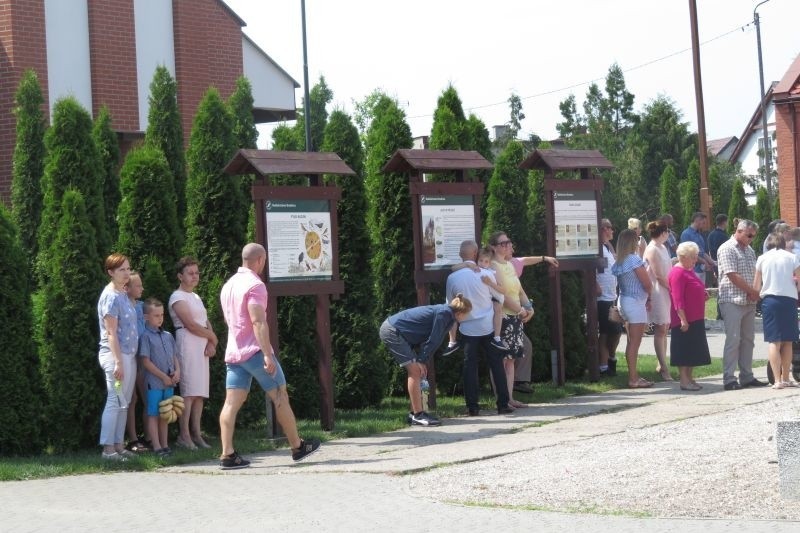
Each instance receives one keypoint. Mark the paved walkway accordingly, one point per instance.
(368, 484)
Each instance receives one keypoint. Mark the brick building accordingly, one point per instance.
(786, 98)
(104, 52)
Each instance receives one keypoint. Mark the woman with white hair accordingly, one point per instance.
(688, 344)
(641, 244)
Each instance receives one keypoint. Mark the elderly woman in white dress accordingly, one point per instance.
(656, 257)
(196, 342)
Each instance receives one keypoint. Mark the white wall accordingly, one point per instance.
(68, 61)
(748, 157)
(154, 47)
(272, 88)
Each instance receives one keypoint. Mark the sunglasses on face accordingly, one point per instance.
(504, 243)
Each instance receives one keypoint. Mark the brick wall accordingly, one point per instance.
(112, 49)
(208, 52)
(787, 121)
(22, 46)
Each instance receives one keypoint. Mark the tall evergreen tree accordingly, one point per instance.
(28, 165)
(20, 385)
(738, 207)
(448, 131)
(691, 199)
(670, 196)
(479, 141)
(148, 220)
(665, 140)
(69, 329)
(504, 210)
(108, 149)
(72, 161)
(360, 370)
(762, 215)
(319, 97)
(245, 135)
(164, 131)
(215, 231)
(389, 211)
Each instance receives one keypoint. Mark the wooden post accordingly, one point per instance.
(325, 361)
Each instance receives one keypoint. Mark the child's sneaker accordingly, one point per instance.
(233, 461)
(307, 447)
(451, 349)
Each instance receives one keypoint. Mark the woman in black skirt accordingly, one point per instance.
(688, 343)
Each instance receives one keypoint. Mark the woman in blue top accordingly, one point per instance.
(412, 336)
(634, 300)
(119, 339)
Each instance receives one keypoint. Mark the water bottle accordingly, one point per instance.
(120, 397)
(424, 386)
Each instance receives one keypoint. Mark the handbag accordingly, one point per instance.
(614, 315)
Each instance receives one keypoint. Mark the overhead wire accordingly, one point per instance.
(742, 27)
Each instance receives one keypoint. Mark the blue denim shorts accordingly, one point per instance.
(240, 375)
(156, 395)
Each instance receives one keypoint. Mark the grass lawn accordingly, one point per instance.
(349, 423)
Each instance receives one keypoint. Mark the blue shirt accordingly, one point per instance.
(139, 306)
(691, 234)
(629, 284)
(424, 326)
(118, 305)
(715, 240)
(158, 346)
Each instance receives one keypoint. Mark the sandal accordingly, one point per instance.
(640, 384)
(779, 385)
(516, 404)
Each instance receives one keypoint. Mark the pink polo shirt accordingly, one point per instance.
(242, 289)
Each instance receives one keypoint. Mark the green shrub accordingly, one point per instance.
(71, 374)
(147, 213)
(26, 191)
(108, 150)
(164, 131)
(360, 371)
(20, 386)
(72, 161)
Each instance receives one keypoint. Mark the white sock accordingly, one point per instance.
(497, 338)
(451, 344)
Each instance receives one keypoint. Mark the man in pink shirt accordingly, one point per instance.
(249, 355)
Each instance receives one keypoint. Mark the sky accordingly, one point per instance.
(542, 51)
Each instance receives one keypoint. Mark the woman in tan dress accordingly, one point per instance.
(659, 264)
(196, 342)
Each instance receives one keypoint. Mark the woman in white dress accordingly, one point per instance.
(196, 342)
(659, 264)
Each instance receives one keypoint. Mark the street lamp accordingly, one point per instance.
(306, 102)
(765, 132)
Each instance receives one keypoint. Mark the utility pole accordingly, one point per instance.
(765, 132)
(702, 148)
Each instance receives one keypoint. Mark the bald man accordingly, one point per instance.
(249, 355)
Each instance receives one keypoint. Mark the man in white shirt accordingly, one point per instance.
(477, 331)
